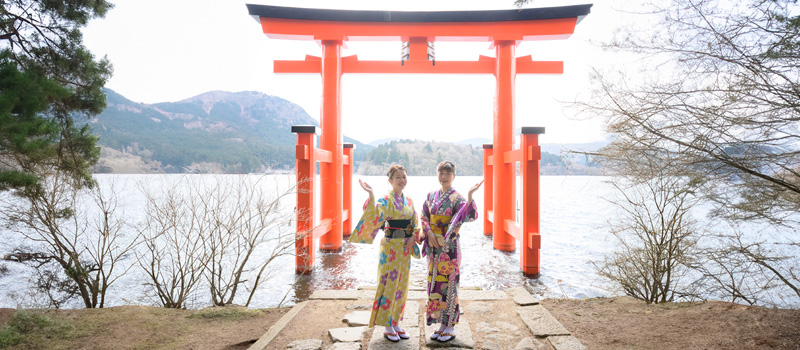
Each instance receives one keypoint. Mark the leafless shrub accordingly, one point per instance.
(655, 234)
(224, 228)
(80, 231)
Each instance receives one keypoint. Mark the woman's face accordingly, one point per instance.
(398, 181)
(446, 178)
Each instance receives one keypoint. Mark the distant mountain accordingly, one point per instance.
(379, 142)
(213, 132)
(475, 142)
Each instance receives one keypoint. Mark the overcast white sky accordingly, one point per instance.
(165, 51)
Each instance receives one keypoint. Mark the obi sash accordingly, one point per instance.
(398, 229)
(440, 223)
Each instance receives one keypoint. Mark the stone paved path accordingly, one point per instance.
(543, 330)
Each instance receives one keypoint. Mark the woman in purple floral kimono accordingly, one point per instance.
(443, 214)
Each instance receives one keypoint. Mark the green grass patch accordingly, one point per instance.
(231, 313)
(32, 327)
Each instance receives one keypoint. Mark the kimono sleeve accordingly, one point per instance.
(370, 223)
(415, 253)
(466, 212)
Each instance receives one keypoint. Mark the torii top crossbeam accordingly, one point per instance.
(418, 28)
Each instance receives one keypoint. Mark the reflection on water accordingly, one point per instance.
(571, 239)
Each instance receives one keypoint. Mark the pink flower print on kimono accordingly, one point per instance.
(445, 267)
(435, 308)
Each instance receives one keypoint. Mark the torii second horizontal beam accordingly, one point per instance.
(484, 65)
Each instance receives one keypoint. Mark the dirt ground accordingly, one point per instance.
(617, 323)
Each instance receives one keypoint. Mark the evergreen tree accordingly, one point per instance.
(48, 76)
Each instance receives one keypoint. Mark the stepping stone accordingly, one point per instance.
(378, 342)
(277, 327)
(359, 307)
(481, 294)
(327, 294)
(540, 321)
(308, 344)
(490, 346)
(418, 294)
(529, 343)
(478, 307)
(347, 334)
(345, 346)
(357, 318)
(522, 297)
(565, 343)
(462, 340)
(410, 315)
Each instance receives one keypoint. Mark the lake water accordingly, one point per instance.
(574, 215)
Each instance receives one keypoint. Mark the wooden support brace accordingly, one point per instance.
(534, 153)
(323, 156)
(490, 215)
(301, 152)
(512, 156)
(511, 227)
(534, 240)
(321, 229)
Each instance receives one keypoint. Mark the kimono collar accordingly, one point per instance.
(398, 199)
(440, 197)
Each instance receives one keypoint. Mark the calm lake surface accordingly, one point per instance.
(574, 217)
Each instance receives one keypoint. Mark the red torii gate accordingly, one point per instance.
(505, 29)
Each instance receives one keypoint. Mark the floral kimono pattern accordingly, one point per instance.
(395, 260)
(442, 217)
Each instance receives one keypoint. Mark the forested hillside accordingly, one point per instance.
(421, 158)
(213, 132)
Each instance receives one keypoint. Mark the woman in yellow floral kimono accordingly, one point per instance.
(395, 214)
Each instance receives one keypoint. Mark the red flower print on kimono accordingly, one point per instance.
(392, 256)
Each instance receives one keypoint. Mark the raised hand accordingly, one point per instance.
(473, 189)
(366, 187)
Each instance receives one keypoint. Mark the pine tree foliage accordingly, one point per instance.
(48, 77)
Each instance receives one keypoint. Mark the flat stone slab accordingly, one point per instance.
(359, 306)
(357, 318)
(277, 327)
(463, 339)
(344, 346)
(522, 297)
(347, 334)
(410, 315)
(540, 321)
(477, 307)
(328, 294)
(481, 294)
(529, 343)
(412, 294)
(565, 342)
(308, 344)
(378, 342)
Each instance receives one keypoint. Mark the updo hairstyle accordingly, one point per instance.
(394, 169)
(446, 166)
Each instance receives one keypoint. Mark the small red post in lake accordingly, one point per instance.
(503, 29)
(306, 166)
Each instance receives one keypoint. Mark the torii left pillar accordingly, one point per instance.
(330, 173)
